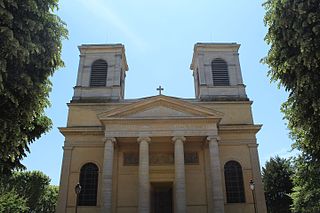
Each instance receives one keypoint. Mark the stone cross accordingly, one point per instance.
(160, 89)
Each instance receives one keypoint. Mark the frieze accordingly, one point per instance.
(161, 133)
(159, 158)
(174, 120)
(162, 126)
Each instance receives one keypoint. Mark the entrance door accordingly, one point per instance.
(161, 198)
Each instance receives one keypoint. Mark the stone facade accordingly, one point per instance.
(160, 149)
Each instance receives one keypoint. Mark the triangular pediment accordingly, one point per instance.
(160, 111)
(160, 107)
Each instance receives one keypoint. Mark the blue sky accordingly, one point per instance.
(159, 38)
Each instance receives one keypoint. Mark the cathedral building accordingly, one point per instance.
(160, 154)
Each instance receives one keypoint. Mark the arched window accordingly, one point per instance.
(220, 75)
(99, 72)
(89, 185)
(234, 182)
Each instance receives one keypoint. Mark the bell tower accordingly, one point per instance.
(101, 73)
(216, 72)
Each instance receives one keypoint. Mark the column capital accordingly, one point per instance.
(109, 139)
(213, 138)
(146, 139)
(181, 138)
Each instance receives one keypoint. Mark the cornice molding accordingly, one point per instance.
(180, 120)
(243, 128)
(83, 130)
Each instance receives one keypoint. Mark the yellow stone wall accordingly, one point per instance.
(89, 147)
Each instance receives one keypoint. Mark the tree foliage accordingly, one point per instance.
(276, 176)
(30, 41)
(29, 190)
(48, 201)
(294, 59)
(30, 185)
(11, 202)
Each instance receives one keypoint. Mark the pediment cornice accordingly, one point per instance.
(160, 107)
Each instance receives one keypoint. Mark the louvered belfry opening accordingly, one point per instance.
(99, 72)
(220, 73)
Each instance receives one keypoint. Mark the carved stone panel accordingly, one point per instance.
(130, 159)
(191, 158)
(159, 158)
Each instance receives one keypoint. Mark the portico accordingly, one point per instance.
(142, 122)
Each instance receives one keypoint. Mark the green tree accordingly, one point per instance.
(30, 41)
(31, 185)
(34, 190)
(276, 177)
(11, 202)
(48, 201)
(294, 61)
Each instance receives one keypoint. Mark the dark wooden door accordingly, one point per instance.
(162, 200)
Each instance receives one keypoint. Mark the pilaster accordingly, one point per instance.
(64, 179)
(256, 177)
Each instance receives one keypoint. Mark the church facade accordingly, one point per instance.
(160, 154)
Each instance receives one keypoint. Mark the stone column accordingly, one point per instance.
(216, 177)
(256, 176)
(107, 175)
(144, 183)
(180, 182)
